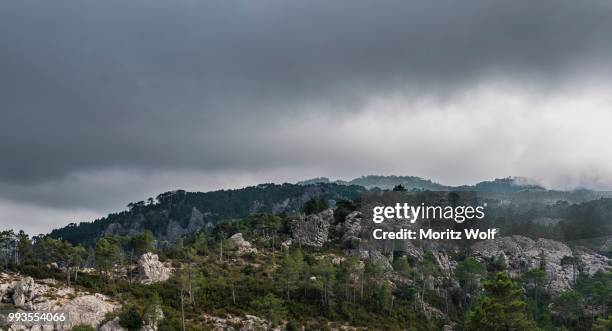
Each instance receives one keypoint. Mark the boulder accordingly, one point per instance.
(83, 308)
(313, 230)
(112, 325)
(286, 244)
(242, 246)
(89, 309)
(151, 270)
(22, 293)
(350, 229)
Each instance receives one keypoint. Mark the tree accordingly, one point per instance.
(534, 280)
(290, 269)
(107, 254)
(468, 273)
(343, 208)
(67, 257)
(348, 275)
(77, 257)
(399, 188)
(201, 243)
(602, 324)
(372, 273)
(569, 305)
(24, 247)
(142, 243)
(314, 206)
(502, 307)
(271, 307)
(7, 246)
(575, 262)
(130, 318)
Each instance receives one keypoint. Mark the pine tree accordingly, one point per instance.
(502, 307)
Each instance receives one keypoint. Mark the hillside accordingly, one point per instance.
(321, 271)
(174, 214)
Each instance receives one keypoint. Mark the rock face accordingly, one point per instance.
(591, 261)
(242, 246)
(351, 227)
(313, 230)
(83, 308)
(286, 244)
(112, 325)
(233, 323)
(151, 270)
(22, 293)
(170, 234)
(522, 254)
(89, 309)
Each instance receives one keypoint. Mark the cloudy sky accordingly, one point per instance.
(107, 102)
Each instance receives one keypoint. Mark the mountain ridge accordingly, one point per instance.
(511, 183)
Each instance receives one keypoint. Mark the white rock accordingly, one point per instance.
(112, 326)
(151, 270)
(242, 246)
(22, 292)
(82, 308)
(313, 230)
(522, 254)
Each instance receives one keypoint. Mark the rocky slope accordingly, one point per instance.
(520, 254)
(24, 293)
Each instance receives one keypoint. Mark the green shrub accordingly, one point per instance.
(130, 318)
(83, 327)
(169, 325)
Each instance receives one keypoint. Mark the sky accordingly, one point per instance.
(107, 102)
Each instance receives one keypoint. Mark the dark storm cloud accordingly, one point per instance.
(204, 86)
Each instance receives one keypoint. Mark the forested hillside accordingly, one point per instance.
(168, 216)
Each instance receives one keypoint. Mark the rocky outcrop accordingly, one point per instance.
(286, 244)
(522, 254)
(351, 227)
(313, 230)
(591, 262)
(151, 270)
(89, 309)
(241, 246)
(152, 316)
(112, 325)
(42, 295)
(234, 323)
(23, 293)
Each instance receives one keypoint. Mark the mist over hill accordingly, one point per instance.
(172, 215)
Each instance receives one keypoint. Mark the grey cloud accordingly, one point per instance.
(206, 86)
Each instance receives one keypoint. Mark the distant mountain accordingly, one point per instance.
(413, 183)
(410, 183)
(317, 180)
(505, 185)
